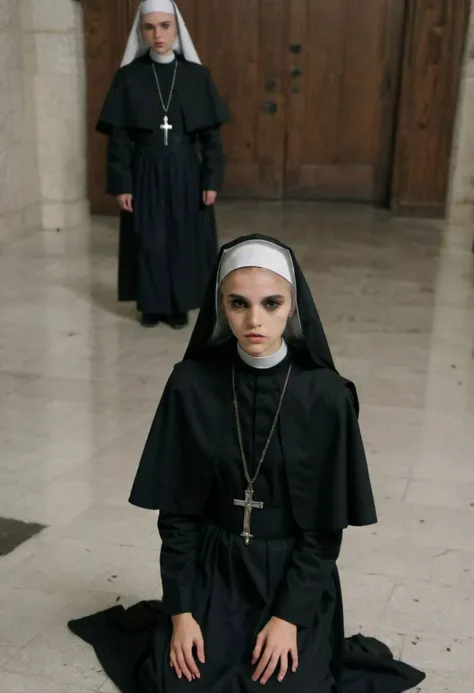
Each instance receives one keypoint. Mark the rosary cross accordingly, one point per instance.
(248, 504)
(166, 127)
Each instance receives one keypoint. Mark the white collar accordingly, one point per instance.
(264, 361)
(163, 59)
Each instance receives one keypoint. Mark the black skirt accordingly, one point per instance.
(169, 243)
(234, 592)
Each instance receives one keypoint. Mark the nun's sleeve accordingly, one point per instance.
(180, 536)
(307, 577)
(174, 477)
(119, 161)
(213, 162)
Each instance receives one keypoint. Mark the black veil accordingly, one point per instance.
(313, 340)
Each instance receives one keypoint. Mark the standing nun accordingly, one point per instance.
(256, 463)
(165, 166)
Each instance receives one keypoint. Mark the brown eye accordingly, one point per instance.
(272, 305)
(238, 303)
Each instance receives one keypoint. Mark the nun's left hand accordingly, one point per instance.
(276, 643)
(209, 197)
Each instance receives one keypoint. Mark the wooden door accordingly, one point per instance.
(313, 90)
(107, 25)
(343, 72)
(242, 43)
(434, 49)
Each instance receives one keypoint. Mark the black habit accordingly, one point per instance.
(314, 483)
(169, 243)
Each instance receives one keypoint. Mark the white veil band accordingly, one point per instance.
(266, 255)
(257, 254)
(136, 45)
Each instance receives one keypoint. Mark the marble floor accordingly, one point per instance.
(79, 382)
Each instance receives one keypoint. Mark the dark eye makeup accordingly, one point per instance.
(271, 303)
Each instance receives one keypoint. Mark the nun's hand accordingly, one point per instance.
(186, 638)
(209, 197)
(275, 643)
(125, 202)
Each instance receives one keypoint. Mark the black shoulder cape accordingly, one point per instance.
(130, 100)
(326, 465)
(322, 445)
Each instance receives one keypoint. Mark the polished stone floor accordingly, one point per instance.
(79, 382)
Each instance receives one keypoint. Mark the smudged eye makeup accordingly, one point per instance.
(270, 303)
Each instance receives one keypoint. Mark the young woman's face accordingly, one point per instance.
(159, 31)
(257, 304)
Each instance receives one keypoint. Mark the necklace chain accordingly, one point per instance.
(165, 108)
(251, 480)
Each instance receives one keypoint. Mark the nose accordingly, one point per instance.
(254, 317)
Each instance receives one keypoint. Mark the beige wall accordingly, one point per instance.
(42, 102)
(19, 182)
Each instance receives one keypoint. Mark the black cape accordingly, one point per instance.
(327, 469)
(127, 104)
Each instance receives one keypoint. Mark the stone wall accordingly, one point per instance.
(42, 115)
(19, 181)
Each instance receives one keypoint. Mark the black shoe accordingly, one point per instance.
(149, 320)
(178, 321)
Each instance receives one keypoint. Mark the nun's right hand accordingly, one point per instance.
(125, 202)
(186, 638)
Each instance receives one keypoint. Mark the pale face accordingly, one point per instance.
(257, 304)
(159, 31)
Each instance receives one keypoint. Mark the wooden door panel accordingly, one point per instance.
(435, 39)
(106, 28)
(343, 63)
(189, 10)
(246, 59)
